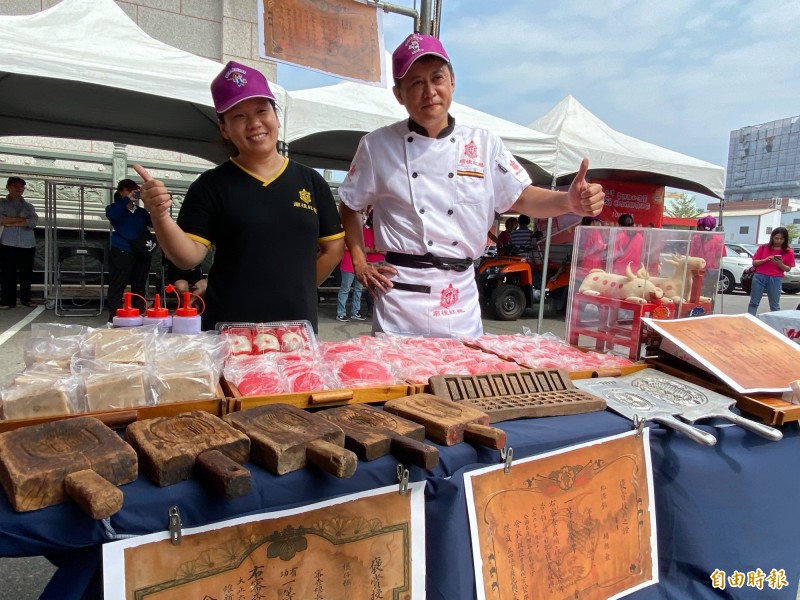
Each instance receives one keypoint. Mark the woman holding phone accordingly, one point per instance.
(771, 261)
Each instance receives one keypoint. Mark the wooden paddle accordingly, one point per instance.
(372, 433)
(448, 422)
(172, 449)
(285, 438)
(79, 458)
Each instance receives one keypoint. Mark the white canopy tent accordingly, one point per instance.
(83, 69)
(324, 126)
(614, 155)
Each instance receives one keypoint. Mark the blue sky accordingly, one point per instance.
(682, 74)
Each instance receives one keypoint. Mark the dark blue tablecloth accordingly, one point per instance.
(728, 507)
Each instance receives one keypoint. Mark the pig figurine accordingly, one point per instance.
(630, 287)
(681, 278)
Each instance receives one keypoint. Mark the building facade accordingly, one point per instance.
(764, 161)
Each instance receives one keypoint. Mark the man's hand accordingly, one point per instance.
(584, 198)
(373, 276)
(155, 196)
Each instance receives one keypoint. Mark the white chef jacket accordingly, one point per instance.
(437, 195)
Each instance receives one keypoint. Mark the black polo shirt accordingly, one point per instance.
(266, 235)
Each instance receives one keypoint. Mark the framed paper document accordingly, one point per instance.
(574, 523)
(368, 545)
(342, 38)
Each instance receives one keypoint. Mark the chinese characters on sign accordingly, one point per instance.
(337, 37)
(578, 523)
(354, 547)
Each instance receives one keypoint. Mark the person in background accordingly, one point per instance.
(348, 280)
(373, 255)
(522, 237)
(17, 245)
(771, 261)
(272, 220)
(627, 247)
(186, 280)
(592, 253)
(710, 248)
(435, 187)
(125, 266)
(505, 236)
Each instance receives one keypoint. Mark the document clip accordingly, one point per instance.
(175, 534)
(507, 454)
(402, 477)
(638, 423)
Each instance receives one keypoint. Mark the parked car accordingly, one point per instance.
(732, 266)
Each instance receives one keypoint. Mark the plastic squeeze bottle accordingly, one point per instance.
(186, 318)
(158, 315)
(128, 316)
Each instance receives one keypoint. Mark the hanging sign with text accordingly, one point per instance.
(342, 38)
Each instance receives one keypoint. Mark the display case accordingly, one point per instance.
(620, 274)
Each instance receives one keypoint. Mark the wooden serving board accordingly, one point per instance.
(286, 438)
(448, 422)
(518, 394)
(171, 449)
(372, 433)
(43, 464)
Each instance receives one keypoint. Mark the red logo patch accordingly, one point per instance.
(471, 150)
(449, 296)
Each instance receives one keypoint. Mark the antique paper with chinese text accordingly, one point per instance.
(576, 523)
(358, 546)
(745, 353)
(336, 37)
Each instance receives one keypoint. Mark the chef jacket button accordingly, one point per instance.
(450, 211)
(450, 175)
(430, 242)
(422, 211)
(414, 175)
(410, 139)
(455, 243)
(453, 140)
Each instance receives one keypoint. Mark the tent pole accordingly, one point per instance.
(545, 259)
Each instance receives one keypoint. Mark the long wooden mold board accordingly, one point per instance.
(517, 394)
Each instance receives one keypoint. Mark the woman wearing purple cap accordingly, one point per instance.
(710, 248)
(435, 187)
(272, 221)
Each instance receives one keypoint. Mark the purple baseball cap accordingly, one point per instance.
(414, 47)
(238, 82)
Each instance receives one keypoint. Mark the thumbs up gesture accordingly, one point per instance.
(584, 198)
(155, 196)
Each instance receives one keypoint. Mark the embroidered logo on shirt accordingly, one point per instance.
(471, 150)
(469, 165)
(449, 296)
(305, 201)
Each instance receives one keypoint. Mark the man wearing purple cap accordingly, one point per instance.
(435, 187)
(272, 221)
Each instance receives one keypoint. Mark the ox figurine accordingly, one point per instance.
(678, 286)
(629, 287)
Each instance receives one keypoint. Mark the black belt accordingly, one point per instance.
(411, 287)
(428, 261)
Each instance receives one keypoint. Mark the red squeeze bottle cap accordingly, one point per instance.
(128, 311)
(157, 311)
(186, 310)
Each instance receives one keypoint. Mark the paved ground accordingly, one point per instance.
(25, 578)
